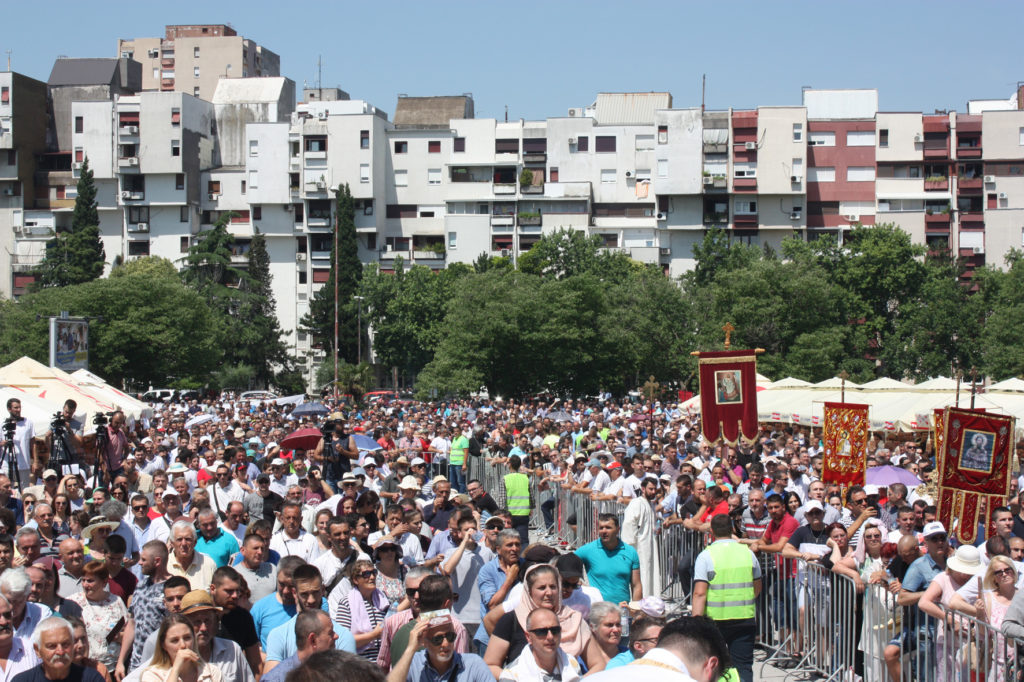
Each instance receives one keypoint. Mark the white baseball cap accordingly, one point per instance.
(933, 528)
(813, 505)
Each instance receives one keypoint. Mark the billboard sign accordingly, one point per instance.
(69, 343)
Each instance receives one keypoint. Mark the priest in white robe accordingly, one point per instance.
(638, 530)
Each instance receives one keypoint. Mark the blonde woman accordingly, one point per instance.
(1000, 584)
(176, 658)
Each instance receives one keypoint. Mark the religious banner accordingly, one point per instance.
(973, 466)
(845, 439)
(728, 395)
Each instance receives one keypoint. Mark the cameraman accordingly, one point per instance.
(71, 433)
(335, 455)
(20, 437)
(116, 447)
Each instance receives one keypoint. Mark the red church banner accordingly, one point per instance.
(728, 395)
(845, 439)
(973, 467)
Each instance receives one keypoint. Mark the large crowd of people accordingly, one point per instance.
(209, 543)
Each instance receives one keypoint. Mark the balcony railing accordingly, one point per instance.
(528, 219)
(533, 189)
(942, 184)
(504, 188)
(969, 183)
(744, 184)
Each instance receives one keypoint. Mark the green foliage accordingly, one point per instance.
(153, 328)
(75, 256)
(237, 377)
(353, 380)
(567, 253)
(485, 262)
(258, 339)
(319, 322)
(526, 177)
(152, 266)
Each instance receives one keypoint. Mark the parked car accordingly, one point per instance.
(258, 396)
(158, 395)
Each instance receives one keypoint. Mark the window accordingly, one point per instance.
(175, 118)
(453, 240)
(156, 73)
(553, 174)
(860, 138)
(195, 52)
(364, 172)
(459, 144)
(364, 139)
(5, 95)
(744, 207)
(79, 156)
(821, 174)
(183, 216)
(434, 146)
(883, 137)
(745, 170)
(506, 146)
(401, 178)
(138, 248)
(243, 187)
(643, 174)
(433, 176)
(175, 147)
(254, 147)
(316, 144)
(79, 124)
(195, 72)
(608, 176)
(257, 213)
(662, 168)
(662, 134)
(644, 143)
(195, 91)
(582, 144)
(183, 242)
(303, 276)
(401, 147)
(1020, 133)
(138, 214)
(213, 186)
(798, 132)
(822, 139)
(860, 174)
(179, 181)
(604, 143)
(254, 179)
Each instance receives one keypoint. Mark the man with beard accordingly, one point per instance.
(146, 609)
(236, 623)
(638, 527)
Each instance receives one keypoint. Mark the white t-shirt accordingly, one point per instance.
(597, 483)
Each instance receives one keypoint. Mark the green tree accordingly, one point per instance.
(147, 265)
(152, 329)
(260, 344)
(319, 322)
(75, 256)
(1000, 317)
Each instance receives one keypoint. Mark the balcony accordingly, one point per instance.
(128, 131)
(936, 149)
(318, 221)
(968, 152)
(132, 195)
(972, 219)
(391, 254)
(933, 184)
(316, 187)
(715, 182)
(716, 219)
(320, 255)
(427, 255)
(558, 190)
(7, 141)
(529, 219)
(535, 157)
(166, 83)
(167, 63)
(503, 220)
(936, 221)
(532, 189)
(316, 155)
(744, 184)
(504, 188)
(128, 162)
(969, 183)
(24, 263)
(746, 220)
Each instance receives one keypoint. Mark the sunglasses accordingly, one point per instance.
(1002, 572)
(366, 575)
(569, 585)
(555, 630)
(411, 591)
(444, 636)
(140, 507)
(941, 537)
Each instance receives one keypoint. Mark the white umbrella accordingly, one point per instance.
(199, 419)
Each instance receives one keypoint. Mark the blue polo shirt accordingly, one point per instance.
(220, 548)
(281, 641)
(610, 571)
(490, 578)
(464, 668)
(919, 576)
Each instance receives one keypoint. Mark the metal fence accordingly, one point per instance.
(811, 621)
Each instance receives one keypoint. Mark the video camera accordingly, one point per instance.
(331, 427)
(10, 426)
(57, 424)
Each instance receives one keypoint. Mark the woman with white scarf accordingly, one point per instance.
(364, 609)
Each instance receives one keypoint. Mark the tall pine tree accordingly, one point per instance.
(76, 256)
(261, 345)
(319, 322)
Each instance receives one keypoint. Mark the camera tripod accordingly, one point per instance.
(7, 454)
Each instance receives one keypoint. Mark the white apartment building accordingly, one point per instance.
(436, 185)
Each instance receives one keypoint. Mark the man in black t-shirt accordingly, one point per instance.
(54, 649)
(481, 498)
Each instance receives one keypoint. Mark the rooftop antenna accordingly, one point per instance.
(506, 113)
(319, 80)
(703, 86)
(8, 61)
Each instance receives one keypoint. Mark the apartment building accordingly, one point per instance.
(193, 58)
(436, 185)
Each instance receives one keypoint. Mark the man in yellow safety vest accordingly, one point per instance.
(517, 498)
(727, 581)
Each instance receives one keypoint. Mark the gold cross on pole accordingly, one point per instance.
(728, 329)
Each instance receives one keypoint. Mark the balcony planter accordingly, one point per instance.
(719, 182)
(420, 254)
(529, 219)
(936, 184)
(532, 189)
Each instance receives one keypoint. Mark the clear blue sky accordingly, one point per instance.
(540, 58)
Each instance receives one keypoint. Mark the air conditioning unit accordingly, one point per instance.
(133, 161)
(796, 178)
(320, 184)
(77, 165)
(794, 215)
(918, 138)
(852, 217)
(130, 130)
(153, 54)
(574, 112)
(572, 140)
(213, 196)
(142, 227)
(504, 252)
(665, 251)
(750, 146)
(708, 180)
(1002, 195)
(322, 115)
(126, 194)
(661, 216)
(990, 179)
(300, 258)
(629, 173)
(978, 250)
(593, 220)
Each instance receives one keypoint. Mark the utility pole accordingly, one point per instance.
(359, 331)
(8, 61)
(335, 306)
(320, 84)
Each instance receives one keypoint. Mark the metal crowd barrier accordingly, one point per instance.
(970, 650)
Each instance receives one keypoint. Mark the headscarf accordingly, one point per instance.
(575, 633)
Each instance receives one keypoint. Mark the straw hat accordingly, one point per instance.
(97, 522)
(967, 559)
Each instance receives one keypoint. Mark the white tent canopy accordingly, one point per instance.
(35, 409)
(133, 409)
(893, 405)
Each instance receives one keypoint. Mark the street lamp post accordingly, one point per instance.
(359, 331)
